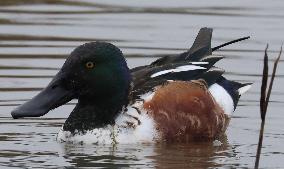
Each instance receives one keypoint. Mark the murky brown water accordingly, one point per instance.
(36, 36)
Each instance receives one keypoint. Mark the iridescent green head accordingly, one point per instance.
(95, 73)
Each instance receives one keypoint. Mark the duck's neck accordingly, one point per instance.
(94, 113)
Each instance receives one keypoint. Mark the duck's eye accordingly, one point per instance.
(90, 65)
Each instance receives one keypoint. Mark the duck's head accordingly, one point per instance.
(94, 73)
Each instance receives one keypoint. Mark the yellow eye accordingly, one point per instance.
(90, 65)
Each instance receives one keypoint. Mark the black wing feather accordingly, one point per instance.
(200, 51)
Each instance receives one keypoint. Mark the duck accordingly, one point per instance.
(177, 98)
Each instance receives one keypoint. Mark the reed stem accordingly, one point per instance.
(264, 100)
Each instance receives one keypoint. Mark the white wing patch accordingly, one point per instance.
(199, 63)
(177, 69)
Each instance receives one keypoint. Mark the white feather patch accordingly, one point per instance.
(223, 98)
(177, 69)
(244, 89)
(199, 63)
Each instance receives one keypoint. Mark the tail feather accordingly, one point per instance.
(199, 51)
(244, 88)
(201, 46)
(231, 42)
(211, 59)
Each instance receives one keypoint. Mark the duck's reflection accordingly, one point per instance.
(193, 155)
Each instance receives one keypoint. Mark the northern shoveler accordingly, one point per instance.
(177, 98)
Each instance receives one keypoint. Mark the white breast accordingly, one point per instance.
(127, 129)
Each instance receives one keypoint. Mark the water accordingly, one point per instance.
(36, 37)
